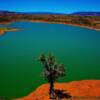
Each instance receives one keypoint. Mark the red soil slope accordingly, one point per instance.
(79, 90)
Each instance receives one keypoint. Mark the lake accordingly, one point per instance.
(20, 71)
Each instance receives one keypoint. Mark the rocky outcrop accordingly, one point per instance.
(77, 90)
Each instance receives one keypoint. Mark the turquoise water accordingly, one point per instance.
(77, 48)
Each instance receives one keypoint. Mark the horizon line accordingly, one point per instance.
(47, 11)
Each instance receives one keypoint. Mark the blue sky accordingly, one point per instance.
(58, 6)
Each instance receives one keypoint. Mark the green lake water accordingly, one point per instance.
(77, 48)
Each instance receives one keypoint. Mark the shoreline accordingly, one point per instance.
(82, 26)
(65, 23)
(4, 30)
(5, 22)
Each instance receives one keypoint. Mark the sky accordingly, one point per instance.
(56, 6)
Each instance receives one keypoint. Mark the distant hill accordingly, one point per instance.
(6, 12)
(2, 12)
(10, 12)
(87, 13)
(51, 13)
(45, 13)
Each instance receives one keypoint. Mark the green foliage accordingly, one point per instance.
(52, 69)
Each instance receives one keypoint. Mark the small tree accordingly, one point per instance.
(52, 72)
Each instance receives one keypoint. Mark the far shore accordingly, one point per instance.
(83, 26)
(5, 22)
